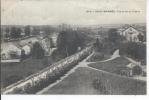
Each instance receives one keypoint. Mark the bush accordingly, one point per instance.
(96, 57)
(137, 70)
(37, 51)
(134, 50)
(50, 78)
(27, 88)
(17, 90)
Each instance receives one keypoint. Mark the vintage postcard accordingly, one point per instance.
(73, 47)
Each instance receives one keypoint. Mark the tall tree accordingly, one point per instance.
(68, 42)
(140, 37)
(113, 35)
(15, 32)
(97, 45)
(37, 51)
(36, 31)
(61, 42)
(27, 30)
(7, 30)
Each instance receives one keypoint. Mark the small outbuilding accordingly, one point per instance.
(131, 70)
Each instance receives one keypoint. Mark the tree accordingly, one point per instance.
(23, 55)
(27, 30)
(37, 51)
(113, 35)
(61, 43)
(7, 30)
(97, 45)
(36, 31)
(68, 42)
(18, 33)
(140, 37)
(15, 32)
(134, 50)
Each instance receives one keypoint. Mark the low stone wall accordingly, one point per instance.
(38, 81)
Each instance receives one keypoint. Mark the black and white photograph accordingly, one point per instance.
(73, 47)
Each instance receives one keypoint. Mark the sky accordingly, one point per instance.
(53, 12)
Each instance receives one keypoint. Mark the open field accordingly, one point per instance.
(13, 72)
(113, 66)
(93, 59)
(88, 81)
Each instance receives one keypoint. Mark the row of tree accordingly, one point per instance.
(15, 32)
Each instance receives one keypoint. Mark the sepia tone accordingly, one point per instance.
(73, 47)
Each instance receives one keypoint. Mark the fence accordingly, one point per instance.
(43, 78)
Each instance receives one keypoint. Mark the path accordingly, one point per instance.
(114, 56)
(83, 63)
(134, 62)
(139, 64)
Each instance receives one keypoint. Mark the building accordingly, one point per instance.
(10, 51)
(27, 49)
(54, 37)
(131, 70)
(130, 34)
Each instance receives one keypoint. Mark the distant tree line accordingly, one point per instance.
(15, 32)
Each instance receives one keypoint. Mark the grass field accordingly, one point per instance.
(13, 72)
(89, 81)
(93, 59)
(113, 66)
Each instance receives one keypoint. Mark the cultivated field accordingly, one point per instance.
(89, 81)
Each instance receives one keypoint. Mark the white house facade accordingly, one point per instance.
(131, 34)
(9, 49)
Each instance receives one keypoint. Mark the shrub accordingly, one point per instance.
(96, 57)
(27, 88)
(134, 50)
(17, 90)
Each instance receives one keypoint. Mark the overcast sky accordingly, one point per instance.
(43, 12)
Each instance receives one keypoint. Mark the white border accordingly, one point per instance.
(86, 97)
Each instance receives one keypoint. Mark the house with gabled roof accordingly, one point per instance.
(131, 34)
(10, 51)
